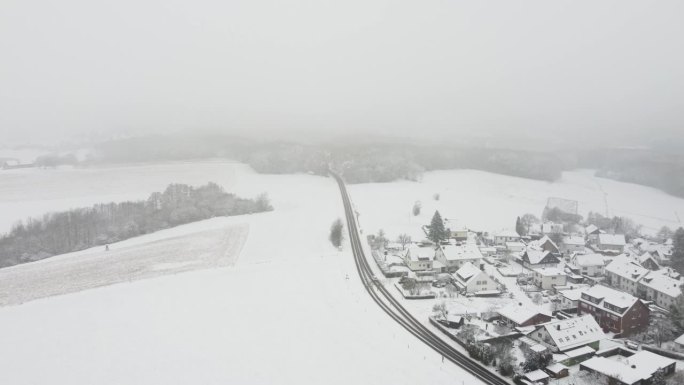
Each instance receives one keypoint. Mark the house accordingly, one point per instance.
(470, 279)
(453, 257)
(611, 242)
(625, 274)
(637, 369)
(419, 258)
(545, 244)
(660, 288)
(569, 299)
(460, 234)
(537, 377)
(548, 277)
(569, 334)
(488, 251)
(534, 258)
(572, 244)
(679, 344)
(452, 321)
(515, 247)
(592, 233)
(648, 261)
(662, 253)
(502, 237)
(517, 315)
(552, 228)
(591, 265)
(615, 311)
(557, 370)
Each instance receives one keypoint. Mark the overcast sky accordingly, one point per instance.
(576, 69)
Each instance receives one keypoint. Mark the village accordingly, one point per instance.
(553, 300)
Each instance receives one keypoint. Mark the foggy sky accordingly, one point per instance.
(576, 70)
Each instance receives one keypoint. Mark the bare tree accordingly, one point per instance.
(440, 309)
(403, 240)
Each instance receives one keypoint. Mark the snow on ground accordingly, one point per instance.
(170, 251)
(491, 202)
(283, 312)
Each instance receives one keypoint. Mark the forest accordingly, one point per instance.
(363, 161)
(78, 229)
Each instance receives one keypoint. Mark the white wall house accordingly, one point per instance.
(502, 237)
(572, 244)
(591, 265)
(661, 289)
(453, 257)
(568, 334)
(569, 299)
(548, 277)
(624, 274)
(611, 242)
(470, 279)
(419, 258)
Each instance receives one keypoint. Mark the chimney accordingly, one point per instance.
(557, 327)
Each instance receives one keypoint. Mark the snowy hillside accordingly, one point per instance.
(491, 202)
(287, 308)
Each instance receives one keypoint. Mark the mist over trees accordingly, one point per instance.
(101, 224)
(362, 161)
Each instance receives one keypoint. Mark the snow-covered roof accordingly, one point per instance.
(625, 268)
(613, 369)
(591, 229)
(611, 296)
(468, 271)
(535, 256)
(519, 245)
(574, 240)
(645, 257)
(416, 253)
(467, 251)
(536, 375)
(519, 314)
(612, 239)
(639, 366)
(556, 367)
(507, 233)
(574, 332)
(572, 295)
(663, 284)
(548, 271)
(586, 260)
(583, 351)
(680, 340)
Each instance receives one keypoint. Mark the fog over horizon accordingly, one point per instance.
(563, 72)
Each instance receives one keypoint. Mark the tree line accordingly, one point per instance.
(101, 224)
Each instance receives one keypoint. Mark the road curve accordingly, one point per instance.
(396, 311)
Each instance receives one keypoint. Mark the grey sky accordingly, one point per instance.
(476, 68)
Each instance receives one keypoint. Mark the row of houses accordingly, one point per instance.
(463, 261)
(663, 287)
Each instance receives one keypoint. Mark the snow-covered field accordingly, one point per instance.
(491, 202)
(280, 311)
(180, 249)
